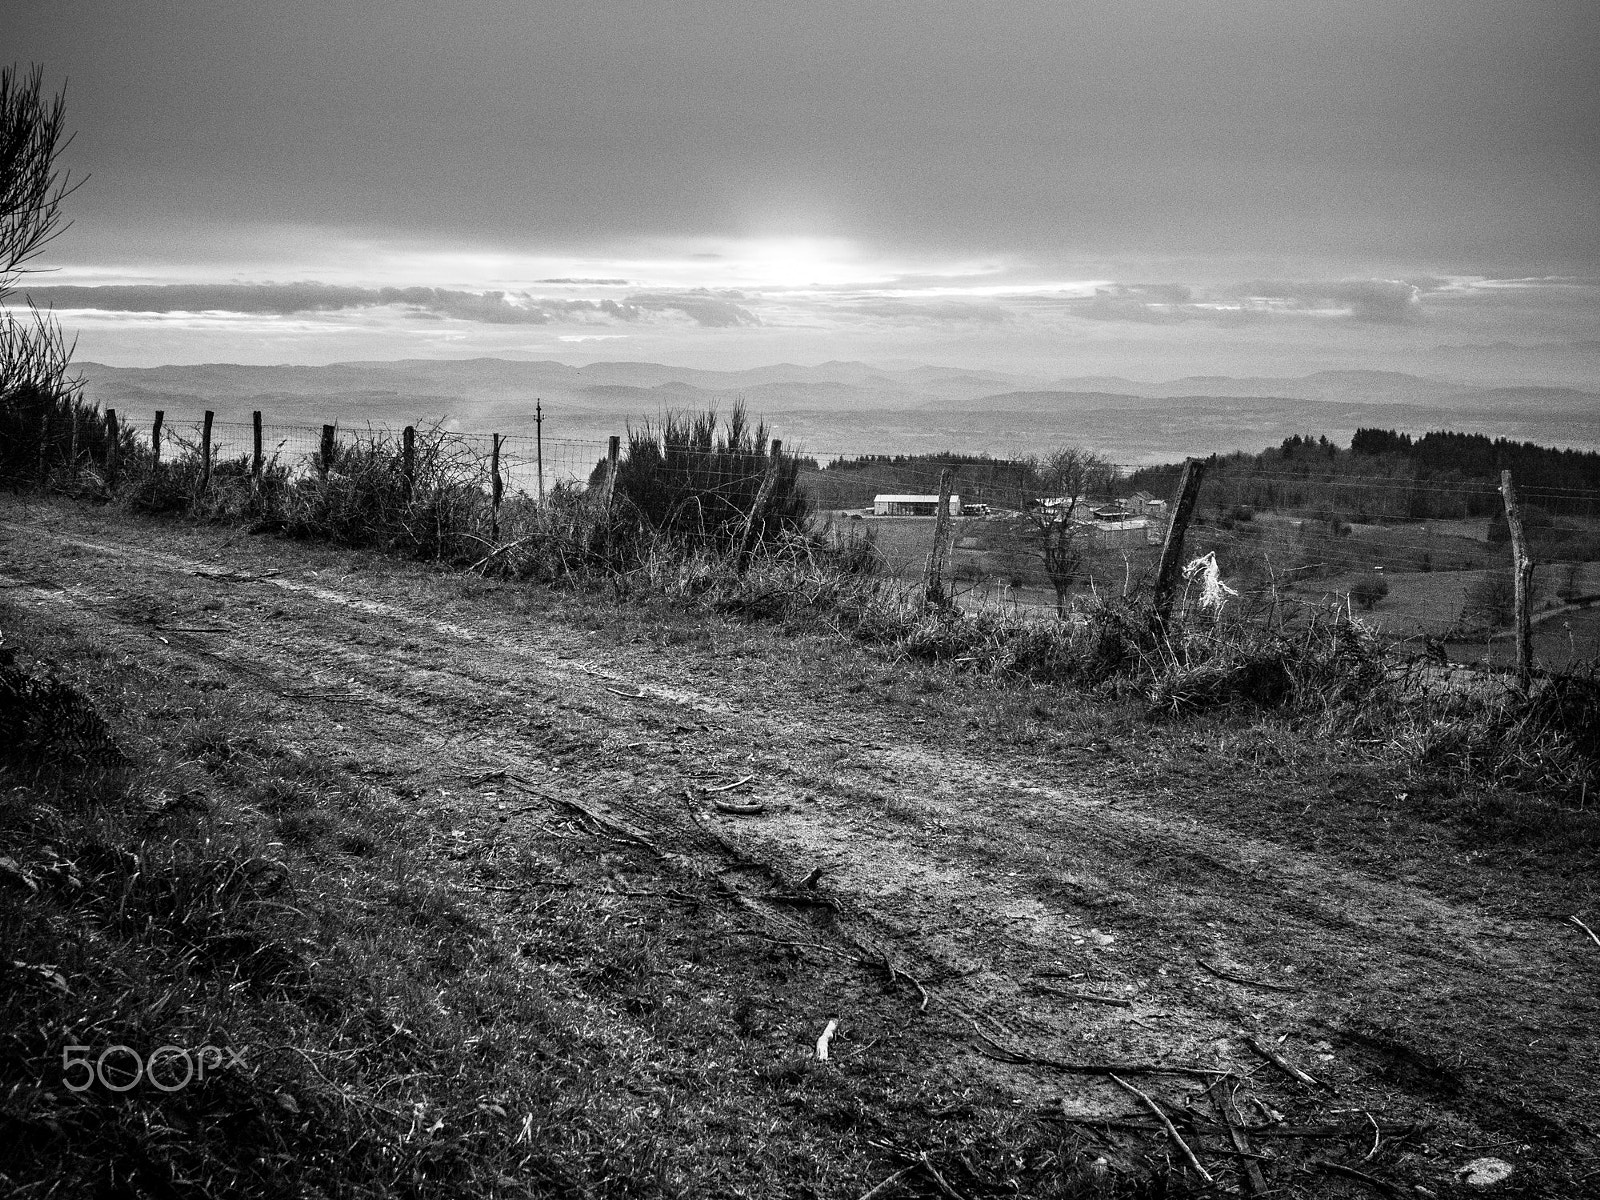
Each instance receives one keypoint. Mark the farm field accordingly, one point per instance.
(1008, 849)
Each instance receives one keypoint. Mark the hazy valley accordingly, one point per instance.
(853, 408)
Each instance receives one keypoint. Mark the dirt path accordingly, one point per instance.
(986, 874)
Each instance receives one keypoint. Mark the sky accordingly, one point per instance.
(1140, 187)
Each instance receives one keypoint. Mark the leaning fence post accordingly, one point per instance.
(205, 451)
(1172, 547)
(1522, 567)
(496, 489)
(408, 458)
(325, 455)
(756, 521)
(257, 459)
(538, 444)
(933, 576)
(111, 448)
(613, 451)
(155, 435)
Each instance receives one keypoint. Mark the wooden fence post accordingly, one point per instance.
(257, 459)
(613, 451)
(111, 448)
(155, 435)
(1522, 567)
(205, 451)
(408, 458)
(538, 444)
(1172, 547)
(72, 445)
(496, 489)
(325, 455)
(756, 521)
(933, 577)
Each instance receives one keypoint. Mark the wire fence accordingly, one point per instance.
(1416, 558)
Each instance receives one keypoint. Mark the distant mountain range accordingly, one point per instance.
(854, 408)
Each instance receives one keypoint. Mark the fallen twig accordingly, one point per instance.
(728, 787)
(523, 887)
(498, 550)
(747, 809)
(1585, 928)
(1379, 1185)
(896, 973)
(626, 695)
(1172, 1130)
(884, 1187)
(1255, 983)
(1241, 1146)
(938, 1179)
(827, 1036)
(665, 894)
(613, 825)
(1085, 996)
(1101, 1069)
(818, 946)
(1284, 1065)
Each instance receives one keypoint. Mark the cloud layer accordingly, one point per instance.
(492, 307)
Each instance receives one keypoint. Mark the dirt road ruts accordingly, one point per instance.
(1000, 881)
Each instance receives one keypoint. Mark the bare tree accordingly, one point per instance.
(33, 353)
(1055, 514)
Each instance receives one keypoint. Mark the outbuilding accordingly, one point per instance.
(912, 506)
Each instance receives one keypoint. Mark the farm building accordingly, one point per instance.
(912, 506)
(1145, 505)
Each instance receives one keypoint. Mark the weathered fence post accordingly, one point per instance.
(613, 450)
(756, 521)
(155, 435)
(538, 444)
(257, 459)
(1522, 567)
(72, 445)
(1172, 547)
(325, 454)
(205, 451)
(933, 576)
(111, 448)
(496, 489)
(408, 458)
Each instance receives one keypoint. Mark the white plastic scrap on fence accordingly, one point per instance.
(1213, 592)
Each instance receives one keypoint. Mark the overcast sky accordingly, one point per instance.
(1169, 186)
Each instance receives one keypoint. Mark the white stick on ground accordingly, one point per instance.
(822, 1042)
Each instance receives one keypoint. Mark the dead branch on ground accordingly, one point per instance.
(1255, 983)
(1084, 996)
(1166, 1123)
(1284, 1065)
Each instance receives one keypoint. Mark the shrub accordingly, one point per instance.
(1491, 600)
(1368, 590)
(686, 479)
